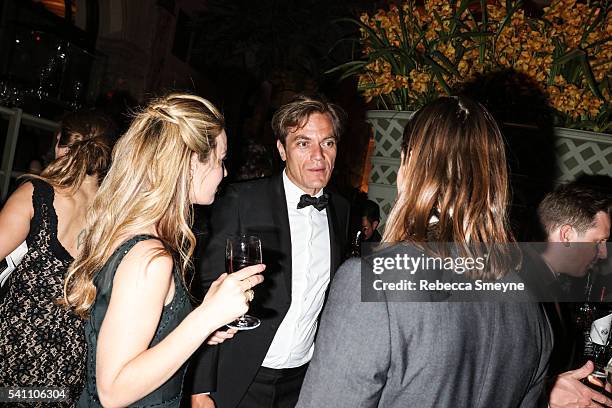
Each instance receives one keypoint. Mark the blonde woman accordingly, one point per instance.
(452, 187)
(41, 343)
(129, 278)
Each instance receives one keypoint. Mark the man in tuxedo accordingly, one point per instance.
(576, 220)
(370, 219)
(303, 231)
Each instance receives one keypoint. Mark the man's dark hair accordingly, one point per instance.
(573, 204)
(370, 210)
(295, 114)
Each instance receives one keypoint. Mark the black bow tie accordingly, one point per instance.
(317, 202)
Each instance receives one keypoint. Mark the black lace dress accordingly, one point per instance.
(41, 343)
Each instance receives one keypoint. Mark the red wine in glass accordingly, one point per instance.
(242, 251)
(238, 263)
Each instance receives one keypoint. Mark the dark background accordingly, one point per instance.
(246, 57)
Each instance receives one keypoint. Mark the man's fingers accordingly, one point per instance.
(594, 380)
(223, 336)
(583, 371)
(219, 338)
(594, 397)
(598, 397)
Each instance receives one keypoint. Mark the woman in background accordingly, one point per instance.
(452, 187)
(41, 343)
(129, 278)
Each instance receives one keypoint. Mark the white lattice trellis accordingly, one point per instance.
(384, 196)
(384, 170)
(577, 152)
(388, 127)
(581, 152)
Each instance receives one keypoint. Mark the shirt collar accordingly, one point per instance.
(293, 192)
(552, 271)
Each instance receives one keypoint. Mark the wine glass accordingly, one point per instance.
(242, 251)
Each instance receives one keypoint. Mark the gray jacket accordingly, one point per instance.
(409, 354)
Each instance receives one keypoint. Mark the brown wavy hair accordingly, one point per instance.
(87, 136)
(454, 167)
(147, 185)
(294, 115)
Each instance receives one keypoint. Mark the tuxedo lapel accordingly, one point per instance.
(334, 231)
(281, 218)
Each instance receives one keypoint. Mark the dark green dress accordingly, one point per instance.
(169, 393)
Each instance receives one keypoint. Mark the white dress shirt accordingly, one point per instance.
(293, 343)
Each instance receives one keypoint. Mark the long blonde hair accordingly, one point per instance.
(86, 135)
(148, 184)
(454, 169)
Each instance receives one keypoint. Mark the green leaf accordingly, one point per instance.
(601, 62)
(442, 82)
(437, 17)
(475, 34)
(434, 65)
(351, 40)
(568, 56)
(380, 42)
(459, 53)
(372, 35)
(594, 23)
(473, 17)
(405, 37)
(464, 5)
(447, 63)
(589, 77)
(350, 73)
(371, 85)
(510, 10)
(599, 42)
(346, 66)
(482, 43)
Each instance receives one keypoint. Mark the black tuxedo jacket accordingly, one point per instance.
(259, 208)
(540, 280)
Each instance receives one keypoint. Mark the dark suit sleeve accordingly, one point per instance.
(336, 377)
(536, 395)
(346, 220)
(224, 221)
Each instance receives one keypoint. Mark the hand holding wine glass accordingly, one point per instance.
(227, 297)
(241, 251)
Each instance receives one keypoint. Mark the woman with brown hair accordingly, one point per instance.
(129, 279)
(417, 347)
(41, 343)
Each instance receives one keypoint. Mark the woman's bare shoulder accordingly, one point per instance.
(149, 260)
(24, 191)
(21, 199)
